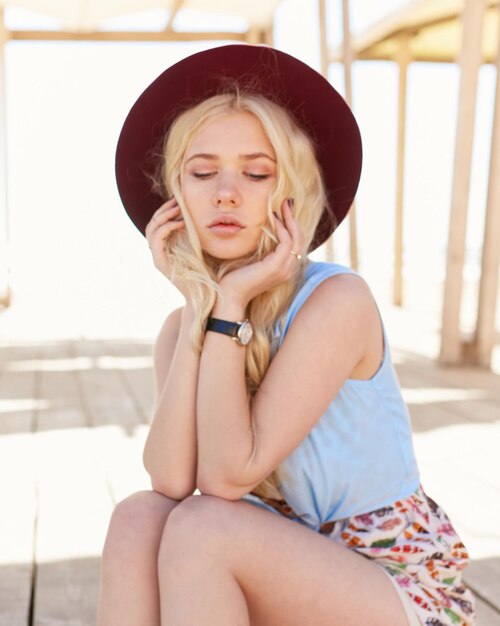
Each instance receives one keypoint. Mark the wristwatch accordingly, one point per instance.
(241, 332)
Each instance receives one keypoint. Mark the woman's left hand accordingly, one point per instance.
(243, 284)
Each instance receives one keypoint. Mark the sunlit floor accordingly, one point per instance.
(73, 418)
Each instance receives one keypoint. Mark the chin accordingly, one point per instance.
(226, 257)
(229, 255)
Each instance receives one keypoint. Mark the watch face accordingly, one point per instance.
(245, 333)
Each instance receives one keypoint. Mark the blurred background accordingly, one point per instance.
(81, 302)
(76, 265)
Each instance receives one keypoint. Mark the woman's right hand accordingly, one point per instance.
(166, 220)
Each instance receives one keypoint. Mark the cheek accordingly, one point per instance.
(188, 192)
(192, 197)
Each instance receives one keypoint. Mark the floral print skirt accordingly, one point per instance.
(414, 540)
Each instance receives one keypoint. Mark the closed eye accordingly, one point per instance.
(203, 174)
(257, 176)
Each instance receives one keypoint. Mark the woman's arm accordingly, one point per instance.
(240, 445)
(170, 453)
(325, 342)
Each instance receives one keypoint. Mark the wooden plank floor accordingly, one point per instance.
(73, 419)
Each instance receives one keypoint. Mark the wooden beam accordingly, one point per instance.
(323, 38)
(403, 60)
(5, 292)
(52, 35)
(348, 58)
(416, 57)
(485, 334)
(269, 35)
(323, 49)
(173, 13)
(408, 30)
(256, 35)
(388, 29)
(451, 351)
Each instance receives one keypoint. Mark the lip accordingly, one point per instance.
(226, 220)
(225, 229)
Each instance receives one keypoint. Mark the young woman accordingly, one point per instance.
(275, 393)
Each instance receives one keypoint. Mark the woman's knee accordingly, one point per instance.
(136, 525)
(197, 522)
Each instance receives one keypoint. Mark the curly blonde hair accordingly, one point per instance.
(298, 176)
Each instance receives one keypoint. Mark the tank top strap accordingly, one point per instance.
(316, 273)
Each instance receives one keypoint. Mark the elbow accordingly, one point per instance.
(164, 484)
(220, 489)
(169, 491)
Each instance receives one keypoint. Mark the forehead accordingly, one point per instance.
(239, 127)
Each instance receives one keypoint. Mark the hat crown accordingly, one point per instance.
(313, 102)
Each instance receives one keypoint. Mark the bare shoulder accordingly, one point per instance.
(327, 343)
(170, 325)
(346, 294)
(342, 310)
(164, 348)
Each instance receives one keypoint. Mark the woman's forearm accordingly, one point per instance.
(225, 438)
(170, 453)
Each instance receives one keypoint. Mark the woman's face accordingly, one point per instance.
(229, 173)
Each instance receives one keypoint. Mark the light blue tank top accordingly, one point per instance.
(359, 455)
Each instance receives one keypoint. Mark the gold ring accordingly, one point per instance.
(299, 256)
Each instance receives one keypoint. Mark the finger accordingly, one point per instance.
(157, 239)
(167, 214)
(159, 219)
(290, 222)
(282, 232)
(293, 227)
(282, 251)
(170, 203)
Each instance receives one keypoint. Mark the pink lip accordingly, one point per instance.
(225, 229)
(225, 220)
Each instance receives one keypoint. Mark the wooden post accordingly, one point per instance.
(269, 35)
(403, 60)
(4, 214)
(470, 60)
(256, 35)
(485, 335)
(348, 57)
(173, 14)
(323, 43)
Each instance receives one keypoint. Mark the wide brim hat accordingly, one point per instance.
(311, 100)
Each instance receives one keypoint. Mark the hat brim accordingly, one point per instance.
(316, 106)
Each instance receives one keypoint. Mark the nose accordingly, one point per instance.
(226, 192)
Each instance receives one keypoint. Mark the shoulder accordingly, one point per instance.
(340, 311)
(172, 322)
(346, 282)
(164, 349)
(346, 292)
(169, 331)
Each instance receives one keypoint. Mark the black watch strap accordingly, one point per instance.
(223, 326)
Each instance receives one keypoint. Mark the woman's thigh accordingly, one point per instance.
(136, 525)
(288, 573)
(129, 575)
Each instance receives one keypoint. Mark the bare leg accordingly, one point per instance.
(129, 578)
(225, 563)
(199, 589)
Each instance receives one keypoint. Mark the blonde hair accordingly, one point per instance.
(298, 176)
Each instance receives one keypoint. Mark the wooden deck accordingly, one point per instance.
(73, 419)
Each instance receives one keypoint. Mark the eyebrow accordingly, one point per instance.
(245, 157)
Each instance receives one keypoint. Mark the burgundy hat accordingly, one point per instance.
(314, 104)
